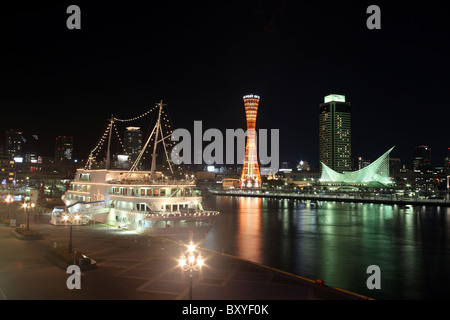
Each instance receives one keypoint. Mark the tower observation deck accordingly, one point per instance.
(250, 177)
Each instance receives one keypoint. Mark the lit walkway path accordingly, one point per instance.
(132, 266)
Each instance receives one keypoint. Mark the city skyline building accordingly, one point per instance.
(422, 158)
(335, 133)
(7, 170)
(14, 143)
(251, 177)
(132, 142)
(63, 149)
(362, 163)
(447, 162)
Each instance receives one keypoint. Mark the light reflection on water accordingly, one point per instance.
(336, 242)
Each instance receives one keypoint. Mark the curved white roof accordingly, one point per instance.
(377, 171)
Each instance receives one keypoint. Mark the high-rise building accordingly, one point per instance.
(362, 163)
(14, 143)
(251, 177)
(7, 170)
(395, 165)
(447, 163)
(63, 149)
(133, 142)
(422, 158)
(335, 133)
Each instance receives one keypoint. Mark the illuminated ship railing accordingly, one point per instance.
(173, 215)
(151, 182)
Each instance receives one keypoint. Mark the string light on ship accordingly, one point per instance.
(98, 147)
(137, 117)
(120, 141)
(167, 132)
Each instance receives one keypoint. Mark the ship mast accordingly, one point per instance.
(108, 154)
(157, 129)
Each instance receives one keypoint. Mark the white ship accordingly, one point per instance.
(144, 201)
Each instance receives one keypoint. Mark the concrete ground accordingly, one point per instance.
(132, 266)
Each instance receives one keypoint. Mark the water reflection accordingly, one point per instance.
(249, 235)
(337, 242)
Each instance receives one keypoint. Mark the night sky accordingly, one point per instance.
(202, 57)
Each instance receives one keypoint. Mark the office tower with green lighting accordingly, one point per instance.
(335, 133)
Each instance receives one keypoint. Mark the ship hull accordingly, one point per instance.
(180, 226)
(175, 225)
(161, 207)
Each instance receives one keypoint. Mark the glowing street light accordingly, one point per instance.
(8, 201)
(27, 206)
(193, 262)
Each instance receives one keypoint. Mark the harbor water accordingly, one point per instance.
(337, 242)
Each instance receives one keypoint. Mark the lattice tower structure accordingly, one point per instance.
(251, 177)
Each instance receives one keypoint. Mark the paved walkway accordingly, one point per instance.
(138, 267)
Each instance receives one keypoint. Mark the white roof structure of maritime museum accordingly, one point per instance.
(377, 171)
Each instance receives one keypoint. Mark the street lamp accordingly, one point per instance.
(27, 207)
(71, 218)
(8, 200)
(191, 263)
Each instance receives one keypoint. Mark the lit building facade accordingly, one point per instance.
(133, 142)
(335, 133)
(14, 143)
(362, 163)
(251, 177)
(63, 149)
(422, 158)
(447, 163)
(7, 170)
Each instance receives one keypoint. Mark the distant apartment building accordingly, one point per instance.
(14, 143)
(447, 163)
(7, 170)
(422, 158)
(362, 163)
(63, 149)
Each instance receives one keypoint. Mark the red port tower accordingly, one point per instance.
(251, 177)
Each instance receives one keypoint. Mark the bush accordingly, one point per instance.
(62, 254)
(28, 233)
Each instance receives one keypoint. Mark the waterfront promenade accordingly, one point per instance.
(133, 266)
(343, 197)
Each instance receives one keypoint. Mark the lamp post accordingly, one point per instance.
(71, 218)
(191, 263)
(8, 201)
(27, 207)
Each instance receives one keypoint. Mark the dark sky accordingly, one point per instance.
(202, 57)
